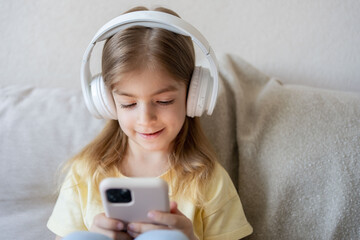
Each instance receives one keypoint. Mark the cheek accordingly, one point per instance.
(177, 116)
(181, 105)
(125, 122)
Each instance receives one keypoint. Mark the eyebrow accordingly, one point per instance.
(160, 91)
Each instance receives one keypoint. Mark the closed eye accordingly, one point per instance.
(165, 102)
(128, 105)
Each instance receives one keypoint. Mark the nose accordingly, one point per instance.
(147, 114)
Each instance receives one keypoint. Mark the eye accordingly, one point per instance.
(165, 102)
(128, 105)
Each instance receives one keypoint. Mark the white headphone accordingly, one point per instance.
(203, 88)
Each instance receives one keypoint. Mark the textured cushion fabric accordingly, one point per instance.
(299, 153)
(292, 151)
(40, 129)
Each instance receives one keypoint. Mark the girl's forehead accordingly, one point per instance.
(153, 77)
(147, 82)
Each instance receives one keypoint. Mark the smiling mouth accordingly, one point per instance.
(151, 135)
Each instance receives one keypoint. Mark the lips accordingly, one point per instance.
(151, 135)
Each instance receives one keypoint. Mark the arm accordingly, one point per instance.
(58, 238)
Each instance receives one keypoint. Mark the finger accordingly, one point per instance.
(173, 207)
(103, 222)
(133, 234)
(175, 220)
(134, 229)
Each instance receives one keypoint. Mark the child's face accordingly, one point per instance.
(151, 108)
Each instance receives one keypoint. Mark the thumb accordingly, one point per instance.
(174, 208)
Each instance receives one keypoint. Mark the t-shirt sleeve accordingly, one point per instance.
(67, 216)
(229, 222)
(224, 215)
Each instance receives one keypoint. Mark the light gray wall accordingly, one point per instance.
(307, 42)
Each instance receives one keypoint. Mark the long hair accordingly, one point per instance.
(192, 158)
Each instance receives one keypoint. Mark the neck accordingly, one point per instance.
(139, 162)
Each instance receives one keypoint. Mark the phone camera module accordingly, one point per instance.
(120, 195)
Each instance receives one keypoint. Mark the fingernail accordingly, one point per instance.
(151, 215)
(120, 226)
(131, 226)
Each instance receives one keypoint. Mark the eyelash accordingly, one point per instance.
(163, 103)
(128, 106)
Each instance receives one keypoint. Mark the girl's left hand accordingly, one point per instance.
(173, 220)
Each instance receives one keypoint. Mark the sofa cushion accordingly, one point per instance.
(299, 151)
(40, 129)
(292, 151)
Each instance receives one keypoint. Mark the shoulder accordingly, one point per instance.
(220, 178)
(220, 188)
(70, 205)
(219, 172)
(75, 180)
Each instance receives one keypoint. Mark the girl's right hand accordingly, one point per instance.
(112, 228)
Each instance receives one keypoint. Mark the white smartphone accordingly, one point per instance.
(130, 199)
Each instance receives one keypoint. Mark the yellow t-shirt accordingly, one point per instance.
(221, 217)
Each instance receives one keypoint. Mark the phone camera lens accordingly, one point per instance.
(119, 195)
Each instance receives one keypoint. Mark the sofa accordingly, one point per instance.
(292, 151)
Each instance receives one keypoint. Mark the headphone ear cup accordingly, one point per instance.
(102, 99)
(199, 92)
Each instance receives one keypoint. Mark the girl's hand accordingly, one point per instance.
(173, 220)
(112, 228)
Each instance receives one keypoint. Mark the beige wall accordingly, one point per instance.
(307, 42)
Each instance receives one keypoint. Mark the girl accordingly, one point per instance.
(148, 71)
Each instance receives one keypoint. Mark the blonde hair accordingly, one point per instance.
(192, 159)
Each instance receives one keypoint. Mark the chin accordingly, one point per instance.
(158, 145)
(156, 148)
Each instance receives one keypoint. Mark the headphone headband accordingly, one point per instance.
(152, 19)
